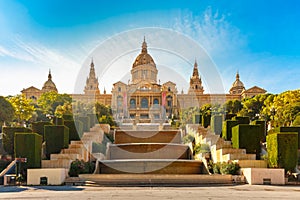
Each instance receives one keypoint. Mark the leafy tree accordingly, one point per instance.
(6, 111)
(23, 108)
(49, 101)
(286, 107)
(253, 107)
(63, 109)
(232, 106)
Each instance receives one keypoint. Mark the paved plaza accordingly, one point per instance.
(223, 192)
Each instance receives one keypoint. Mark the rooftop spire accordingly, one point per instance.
(144, 46)
(49, 75)
(195, 71)
(237, 75)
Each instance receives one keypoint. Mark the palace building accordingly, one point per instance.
(143, 98)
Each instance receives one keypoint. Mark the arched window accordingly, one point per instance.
(196, 87)
(132, 103)
(144, 103)
(169, 89)
(155, 102)
(119, 89)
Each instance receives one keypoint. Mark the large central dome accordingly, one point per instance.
(144, 68)
(144, 58)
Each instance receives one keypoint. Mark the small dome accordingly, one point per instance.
(144, 58)
(238, 83)
(49, 85)
(237, 86)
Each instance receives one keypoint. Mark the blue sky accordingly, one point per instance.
(260, 39)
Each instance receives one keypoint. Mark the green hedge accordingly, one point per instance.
(263, 127)
(197, 119)
(58, 121)
(247, 137)
(93, 119)
(57, 138)
(292, 129)
(29, 146)
(68, 117)
(38, 127)
(282, 150)
(242, 120)
(216, 124)
(75, 129)
(205, 120)
(86, 123)
(227, 129)
(9, 137)
(229, 116)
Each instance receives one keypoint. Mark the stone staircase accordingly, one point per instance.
(77, 150)
(150, 158)
(222, 151)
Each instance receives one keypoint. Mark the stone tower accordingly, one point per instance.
(92, 84)
(195, 82)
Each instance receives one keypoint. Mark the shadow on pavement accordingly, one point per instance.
(12, 189)
(57, 188)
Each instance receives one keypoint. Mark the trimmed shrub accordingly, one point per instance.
(9, 137)
(263, 127)
(75, 129)
(80, 167)
(227, 129)
(86, 123)
(58, 121)
(57, 138)
(226, 168)
(216, 124)
(292, 129)
(93, 119)
(68, 117)
(282, 150)
(38, 127)
(188, 138)
(242, 120)
(206, 120)
(229, 116)
(197, 119)
(247, 137)
(29, 146)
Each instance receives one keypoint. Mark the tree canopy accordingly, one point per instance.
(49, 101)
(23, 108)
(6, 110)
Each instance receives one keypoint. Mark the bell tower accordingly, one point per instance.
(195, 81)
(92, 84)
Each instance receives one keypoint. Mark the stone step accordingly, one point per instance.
(155, 179)
(252, 163)
(76, 142)
(60, 163)
(65, 156)
(149, 151)
(169, 136)
(150, 166)
(224, 151)
(236, 156)
(74, 146)
(79, 151)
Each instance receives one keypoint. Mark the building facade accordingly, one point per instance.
(143, 98)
